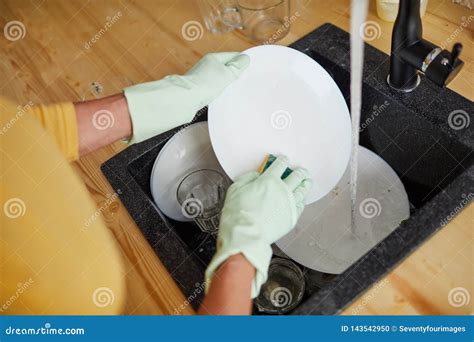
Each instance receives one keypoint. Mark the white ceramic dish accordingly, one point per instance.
(323, 239)
(284, 103)
(188, 150)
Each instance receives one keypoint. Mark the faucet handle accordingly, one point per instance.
(445, 66)
(455, 52)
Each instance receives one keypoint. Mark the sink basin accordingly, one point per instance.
(412, 132)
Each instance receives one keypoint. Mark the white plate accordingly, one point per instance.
(284, 103)
(188, 150)
(323, 239)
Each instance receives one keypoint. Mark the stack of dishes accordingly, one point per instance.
(286, 103)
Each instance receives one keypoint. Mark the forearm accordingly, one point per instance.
(230, 290)
(101, 122)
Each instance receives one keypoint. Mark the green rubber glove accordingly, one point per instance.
(158, 106)
(258, 210)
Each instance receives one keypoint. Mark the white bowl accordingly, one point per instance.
(187, 151)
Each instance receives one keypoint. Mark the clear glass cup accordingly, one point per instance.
(283, 289)
(265, 21)
(201, 196)
(220, 16)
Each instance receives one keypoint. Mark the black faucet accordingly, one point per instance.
(411, 53)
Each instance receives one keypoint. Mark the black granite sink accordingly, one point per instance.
(414, 133)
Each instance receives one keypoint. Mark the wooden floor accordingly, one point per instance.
(67, 55)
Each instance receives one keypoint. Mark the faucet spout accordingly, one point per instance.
(407, 31)
(412, 55)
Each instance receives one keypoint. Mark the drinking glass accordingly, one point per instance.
(201, 196)
(283, 289)
(220, 16)
(265, 21)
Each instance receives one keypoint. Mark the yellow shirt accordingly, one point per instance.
(56, 254)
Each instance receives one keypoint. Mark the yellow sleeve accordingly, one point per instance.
(59, 120)
(57, 256)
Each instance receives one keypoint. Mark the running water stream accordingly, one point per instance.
(358, 16)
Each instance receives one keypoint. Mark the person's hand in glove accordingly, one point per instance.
(158, 106)
(258, 210)
(148, 109)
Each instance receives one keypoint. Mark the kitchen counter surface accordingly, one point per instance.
(68, 55)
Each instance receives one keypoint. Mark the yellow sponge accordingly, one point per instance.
(269, 159)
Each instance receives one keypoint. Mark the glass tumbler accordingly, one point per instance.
(283, 289)
(201, 196)
(265, 21)
(220, 16)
